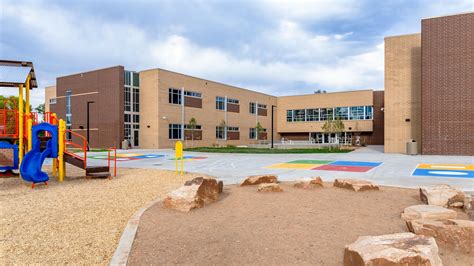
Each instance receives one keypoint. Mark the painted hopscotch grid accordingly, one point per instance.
(190, 158)
(444, 170)
(327, 165)
(127, 156)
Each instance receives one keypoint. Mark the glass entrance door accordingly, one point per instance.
(135, 138)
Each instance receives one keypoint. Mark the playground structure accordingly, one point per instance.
(25, 143)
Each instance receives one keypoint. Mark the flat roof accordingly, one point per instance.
(333, 92)
(450, 15)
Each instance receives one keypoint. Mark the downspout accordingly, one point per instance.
(225, 119)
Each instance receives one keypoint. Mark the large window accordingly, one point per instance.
(220, 103)
(196, 127)
(298, 115)
(262, 106)
(193, 94)
(312, 114)
(52, 101)
(127, 99)
(174, 131)
(357, 113)
(252, 133)
(369, 113)
(327, 114)
(342, 113)
(132, 107)
(289, 115)
(233, 129)
(234, 101)
(174, 96)
(252, 108)
(220, 132)
(68, 114)
(136, 100)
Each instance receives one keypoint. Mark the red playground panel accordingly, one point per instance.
(329, 167)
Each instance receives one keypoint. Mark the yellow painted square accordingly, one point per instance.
(441, 166)
(293, 166)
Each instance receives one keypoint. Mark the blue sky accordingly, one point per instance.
(277, 47)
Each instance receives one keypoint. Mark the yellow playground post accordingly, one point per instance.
(62, 165)
(179, 156)
(20, 124)
(29, 125)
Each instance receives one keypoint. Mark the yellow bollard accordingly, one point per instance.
(29, 127)
(62, 166)
(179, 156)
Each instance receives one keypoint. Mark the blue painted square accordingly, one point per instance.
(444, 173)
(352, 163)
(149, 156)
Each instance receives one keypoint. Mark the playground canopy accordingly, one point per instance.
(15, 73)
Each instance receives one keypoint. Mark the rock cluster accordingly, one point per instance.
(315, 182)
(442, 195)
(432, 212)
(194, 194)
(355, 184)
(269, 187)
(259, 179)
(394, 249)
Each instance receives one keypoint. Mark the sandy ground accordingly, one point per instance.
(78, 221)
(293, 227)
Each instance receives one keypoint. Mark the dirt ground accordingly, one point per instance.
(78, 221)
(293, 227)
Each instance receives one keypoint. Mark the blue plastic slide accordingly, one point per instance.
(30, 168)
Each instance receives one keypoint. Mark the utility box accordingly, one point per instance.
(412, 147)
(125, 144)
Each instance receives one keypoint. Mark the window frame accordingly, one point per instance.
(220, 101)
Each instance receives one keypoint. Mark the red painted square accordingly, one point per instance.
(329, 167)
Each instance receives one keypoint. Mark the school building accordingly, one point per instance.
(428, 97)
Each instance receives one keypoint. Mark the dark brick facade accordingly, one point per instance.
(448, 85)
(106, 88)
(377, 135)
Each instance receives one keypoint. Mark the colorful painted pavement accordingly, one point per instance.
(445, 170)
(327, 165)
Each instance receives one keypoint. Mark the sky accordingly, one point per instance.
(277, 47)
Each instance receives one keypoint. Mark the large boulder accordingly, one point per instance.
(194, 194)
(315, 182)
(469, 207)
(355, 184)
(259, 179)
(458, 234)
(442, 195)
(269, 187)
(432, 212)
(395, 249)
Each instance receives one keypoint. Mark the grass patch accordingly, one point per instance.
(268, 150)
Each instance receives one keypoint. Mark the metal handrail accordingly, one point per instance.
(83, 147)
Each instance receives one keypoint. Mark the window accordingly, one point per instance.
(369, 113)
(192, 94)
(127, 78)
(52, 101)
(298, 115)
(342, 113)
(357, 112)
(252, 108)
(68, 114)
(128, 131)
(197, 127)
(127, 118)
(252, 133)
(327, 114)
(127, 99)
(234, 101)
(289, 115)
(234, 129)
(220, 103)
(136, 100)
(220, 132)
(262, 106)
(136, 79)
(174, 96)
(174, 131)
(136, 119)
(312, 114)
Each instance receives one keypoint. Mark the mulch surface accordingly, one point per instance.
(296, 226)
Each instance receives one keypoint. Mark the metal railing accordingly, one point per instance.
(83, 147)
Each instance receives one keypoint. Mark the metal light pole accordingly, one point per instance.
(273, 106)
(88, 104)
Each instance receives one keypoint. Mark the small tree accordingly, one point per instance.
(258, 129)
(192, 124)
(338, 126)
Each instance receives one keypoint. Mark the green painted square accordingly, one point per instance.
(311, 162)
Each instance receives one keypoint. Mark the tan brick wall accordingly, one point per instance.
(402, 92)
(158, 113)
(337, 99)
(49, 93)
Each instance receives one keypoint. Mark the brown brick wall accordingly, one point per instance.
(105, 88)
(377, 136)
(448, 85)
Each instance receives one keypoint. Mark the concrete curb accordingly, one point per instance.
(125, 244)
